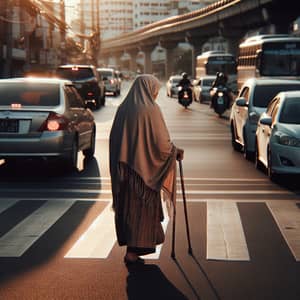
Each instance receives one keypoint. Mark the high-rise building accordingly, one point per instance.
(121, 16)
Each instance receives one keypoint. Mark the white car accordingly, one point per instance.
(251, 102)
(111, 80)
(278, 136)
(44, 118)
(171, 85)
(202, 88)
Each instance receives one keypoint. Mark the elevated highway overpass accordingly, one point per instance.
(223, 24)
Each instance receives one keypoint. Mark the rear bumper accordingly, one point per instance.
(48, 144)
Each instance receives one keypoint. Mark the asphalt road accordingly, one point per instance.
(57, 237)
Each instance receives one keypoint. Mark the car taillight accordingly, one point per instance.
(90, 94)
(54, 122)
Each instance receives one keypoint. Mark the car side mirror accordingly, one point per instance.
(266, 121)
(241, 102)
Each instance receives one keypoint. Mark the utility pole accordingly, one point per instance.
(62, 32)
(82, 24)
(8, 9)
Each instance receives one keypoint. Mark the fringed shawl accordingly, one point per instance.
(140, 146)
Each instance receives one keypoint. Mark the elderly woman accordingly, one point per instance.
(142, 163)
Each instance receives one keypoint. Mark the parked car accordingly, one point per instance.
(278, 136)
(44, 118)
(90, 86)
(251, 102)
(202, 88)
(171, 85)
(111, 80)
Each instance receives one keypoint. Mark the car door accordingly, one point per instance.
(266, 130)
(241, 114)
(81, 119)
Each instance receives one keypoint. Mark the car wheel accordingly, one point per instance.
(271, 174)
(72, 159)
(103, 100)
(236, 146)
(89, 153)
(247, 154)
(257, 162)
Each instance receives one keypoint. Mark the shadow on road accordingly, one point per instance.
(148, 282)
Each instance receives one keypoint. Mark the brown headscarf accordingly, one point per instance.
(140, 143)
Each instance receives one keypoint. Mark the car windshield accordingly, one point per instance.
(290, 113)
(263, 94)
(75, 73)
(175, 80)
(207, 82)
(29, 94)
(107, 74)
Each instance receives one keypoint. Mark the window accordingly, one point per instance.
(245, 93)
(75, 101)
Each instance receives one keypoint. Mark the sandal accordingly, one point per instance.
(138, 261)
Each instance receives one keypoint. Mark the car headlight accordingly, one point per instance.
(287, 140)
(253, 117)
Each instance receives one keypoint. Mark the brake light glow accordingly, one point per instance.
(90, 94)
(54, 122)
(16, 105)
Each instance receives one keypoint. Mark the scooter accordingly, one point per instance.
(220, 99)
(185, 97)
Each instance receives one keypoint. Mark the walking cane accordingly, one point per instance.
(185, 215)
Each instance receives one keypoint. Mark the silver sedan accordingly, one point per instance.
(44, 118)
(278, 136)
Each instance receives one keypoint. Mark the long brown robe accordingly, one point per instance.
(142, 163)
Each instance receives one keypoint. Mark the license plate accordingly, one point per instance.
(220, 101)
(9, 125)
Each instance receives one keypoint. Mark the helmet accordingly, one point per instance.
(184, 75)
(220, 75)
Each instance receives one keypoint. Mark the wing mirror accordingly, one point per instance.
(266, 121)
(241, 102)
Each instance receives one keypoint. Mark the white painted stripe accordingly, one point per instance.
(193, 192)
(23, 235)
(234, 192)
(197, 138)
(6, 203)
(225, 235)
(287, 217)
(98, 240)
(164, 225)
(101, 179)
(223, 179)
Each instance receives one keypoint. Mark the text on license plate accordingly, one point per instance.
(9, 125)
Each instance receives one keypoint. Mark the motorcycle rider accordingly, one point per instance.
(185, 83)
(221, 80)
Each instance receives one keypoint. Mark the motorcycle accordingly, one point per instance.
(185, 96)
(220, 99)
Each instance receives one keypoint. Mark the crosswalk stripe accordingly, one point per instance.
(99, 238)
(5, 204)
(225, 235)
(287, 217)
(23, 235)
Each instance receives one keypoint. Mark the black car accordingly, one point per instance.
(87, 82)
